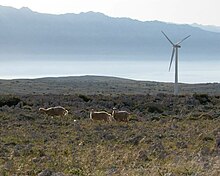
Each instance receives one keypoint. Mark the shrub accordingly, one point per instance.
(155, 108)
(84, 98)
(202, 98)
(9, 101)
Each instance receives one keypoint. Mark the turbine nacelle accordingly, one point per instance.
(177, 46)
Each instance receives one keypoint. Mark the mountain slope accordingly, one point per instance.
(207, 27)
(26, 32)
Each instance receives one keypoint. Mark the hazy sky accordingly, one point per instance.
(177, 11)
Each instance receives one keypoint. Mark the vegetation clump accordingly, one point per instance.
(155, 108)
(8, 100)
(85, 98)
(202, 98)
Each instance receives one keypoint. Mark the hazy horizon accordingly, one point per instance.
(143, 70)
(201, 12)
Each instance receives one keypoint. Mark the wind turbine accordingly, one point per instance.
(175, 51)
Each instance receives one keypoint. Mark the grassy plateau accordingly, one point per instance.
(166, 135)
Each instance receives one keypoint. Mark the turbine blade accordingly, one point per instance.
(168, 38)
(172, 57)
(183, 40)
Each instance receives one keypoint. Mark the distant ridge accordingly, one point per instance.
(90, 78)
(26, 32)
(95, 85)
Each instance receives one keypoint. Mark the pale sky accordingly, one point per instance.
(205, 12)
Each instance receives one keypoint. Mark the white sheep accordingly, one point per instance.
(100, 116)
(54, 111)
(120, 116)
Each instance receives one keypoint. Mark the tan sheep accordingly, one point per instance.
(54, 111)
(100, 116)
(120, 116)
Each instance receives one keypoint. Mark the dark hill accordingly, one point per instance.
(98, 85)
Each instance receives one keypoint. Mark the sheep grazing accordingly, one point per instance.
(120, 116)
(100, 116)
(54, 111)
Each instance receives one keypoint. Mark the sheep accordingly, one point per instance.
(54, 111)
(100, 116)
(120, 116)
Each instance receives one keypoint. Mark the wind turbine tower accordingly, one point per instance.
(175, 52)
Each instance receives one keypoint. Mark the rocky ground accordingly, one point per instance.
(165, 135)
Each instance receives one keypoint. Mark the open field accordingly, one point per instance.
(166, 134)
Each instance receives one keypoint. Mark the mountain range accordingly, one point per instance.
(24, 31)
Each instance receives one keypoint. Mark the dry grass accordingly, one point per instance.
(159, 147)
(174, 136)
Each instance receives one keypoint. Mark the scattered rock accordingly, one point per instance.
(174, 126)
(45, 172)
(40, 159)
(159, 136)
(111, 171)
